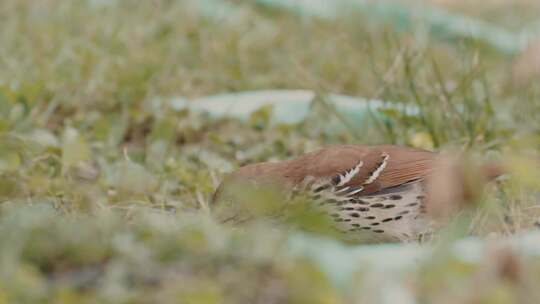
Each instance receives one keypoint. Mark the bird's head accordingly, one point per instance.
(251, 189)
(249, 176)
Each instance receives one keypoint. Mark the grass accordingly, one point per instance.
(104, 188)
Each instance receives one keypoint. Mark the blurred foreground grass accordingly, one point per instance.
(104, 188)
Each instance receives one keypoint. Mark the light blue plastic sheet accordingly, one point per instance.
(289, 106)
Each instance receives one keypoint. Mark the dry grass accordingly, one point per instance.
(104, 187)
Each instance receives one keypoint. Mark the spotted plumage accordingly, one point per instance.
(377, 190)
(388, 208)
(395, 211)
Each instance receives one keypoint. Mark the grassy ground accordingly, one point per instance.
(104, 188)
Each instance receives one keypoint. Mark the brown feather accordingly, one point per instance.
(404, 165)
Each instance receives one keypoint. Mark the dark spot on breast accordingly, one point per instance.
(369, 217)
(377, 205)
(354, 214)
(395, 197)
(412, 204)
(378, 231)
(375, 224)
(341, 203)
(403, 212)
(334, 215)
(356, 225)
(347, 220)
(387, 220)
(339, 220)
(349, 208)
(397, 218)
(336, 179)
(366, 228)
(389, 206)
(420, 197)
(362, 209)
(317, 196)
(361, 202)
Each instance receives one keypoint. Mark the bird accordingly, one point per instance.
(383, 191)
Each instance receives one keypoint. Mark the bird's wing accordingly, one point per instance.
(364, 169)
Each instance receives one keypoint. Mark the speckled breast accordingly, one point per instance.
(393, 213)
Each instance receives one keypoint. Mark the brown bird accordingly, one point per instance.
(383, 190)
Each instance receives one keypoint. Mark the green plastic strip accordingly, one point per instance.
(438, 22)
(405, 17)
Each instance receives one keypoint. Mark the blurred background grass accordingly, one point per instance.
(104, 187)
